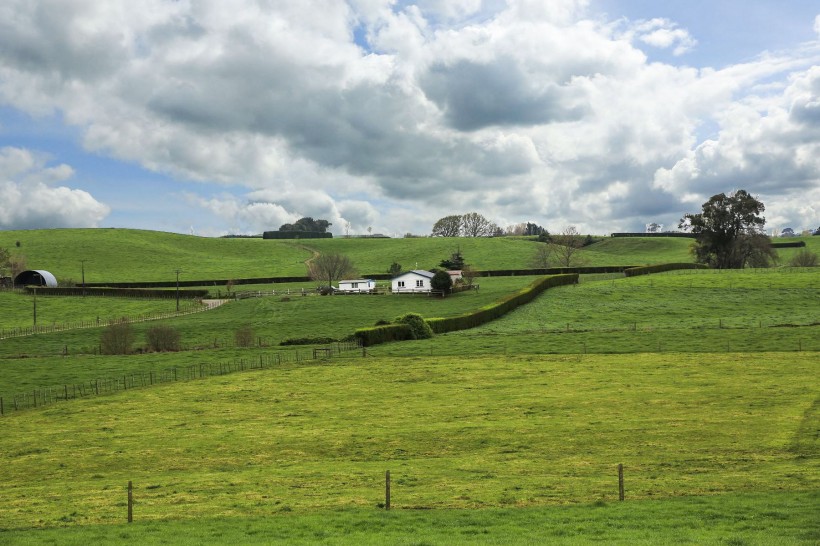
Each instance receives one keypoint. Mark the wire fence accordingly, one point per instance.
(188, 308)
(44, 396)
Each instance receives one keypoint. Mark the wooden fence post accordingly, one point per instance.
(387, 490)
(620, 482)
(1, 405)
(130, 502)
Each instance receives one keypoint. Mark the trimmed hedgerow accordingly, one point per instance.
(500, 308)
(383, 334)
(660, 268)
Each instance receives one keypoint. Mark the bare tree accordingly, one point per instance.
(566, 247)
(475, 225)
(449, 226)
(331, 267)
(543, 256)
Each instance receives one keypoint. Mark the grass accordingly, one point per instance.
(153, 256)
(135, 255)
(782, 518)
(456, 433)
(684, 311)
(490, 436)
(277, 318)
(18, 309)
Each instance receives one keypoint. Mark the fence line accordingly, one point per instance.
(69, 391)
(22, 331)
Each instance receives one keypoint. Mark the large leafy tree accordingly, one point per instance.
(728, 232)
(449, 226)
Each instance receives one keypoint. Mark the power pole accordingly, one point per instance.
(82, 265)
(177, 271)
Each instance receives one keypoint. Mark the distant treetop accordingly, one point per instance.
(307, 224)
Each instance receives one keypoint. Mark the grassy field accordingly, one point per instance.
(135, 255)
(277, 318)
(456, 433)
(703, 384)
(758, 519)
(120, 255)
(18, 309)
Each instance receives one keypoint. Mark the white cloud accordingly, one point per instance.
(664, 34)
(817, 24)
(521, 109)
(29, 199)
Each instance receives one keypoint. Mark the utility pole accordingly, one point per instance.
(177, 271)
(82, 265)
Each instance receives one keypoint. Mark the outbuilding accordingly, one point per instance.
(36, 277)
(356, 286)
(416, 280)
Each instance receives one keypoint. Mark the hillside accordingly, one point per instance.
(122, 255)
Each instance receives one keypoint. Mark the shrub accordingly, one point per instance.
(418, 326)
(383, 334)
(162, 338)
(117, 338)
(804, 258)
(244, 336)
(441, 281)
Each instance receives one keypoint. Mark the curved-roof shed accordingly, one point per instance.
(36, 277)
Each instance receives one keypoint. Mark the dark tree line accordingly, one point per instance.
(307, 224)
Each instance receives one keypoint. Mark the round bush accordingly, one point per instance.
(417, 324)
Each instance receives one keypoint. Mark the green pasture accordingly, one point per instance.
(18, 309)
(680, 311)
(121, 255)
(277, 318)
(756, 519)
(456, 433)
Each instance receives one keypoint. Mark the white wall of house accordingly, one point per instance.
(412, 281)
(357, 285)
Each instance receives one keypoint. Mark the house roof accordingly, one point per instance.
(417, 272)
(356, 280)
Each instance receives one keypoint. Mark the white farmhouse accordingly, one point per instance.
(416, 280)
(354, 286)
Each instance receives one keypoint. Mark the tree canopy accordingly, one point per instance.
(307, 224)
(331, 267)
(471, 224)
(728, 232)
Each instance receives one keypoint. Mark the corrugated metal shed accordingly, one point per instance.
(36, 277)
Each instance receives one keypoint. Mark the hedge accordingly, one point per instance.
(383, 334)
(794, 244)
(660, 268)
(500, 308)
(118, 292)
(296, 235)
(662, 234)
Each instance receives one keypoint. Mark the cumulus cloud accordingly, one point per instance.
(30, 198)
(767, 145)
(391, 114)
(665, 34)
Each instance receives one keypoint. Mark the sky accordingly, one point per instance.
(382, 116)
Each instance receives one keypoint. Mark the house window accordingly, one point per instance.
(354, 285)
(419, 283)
(401, 284)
